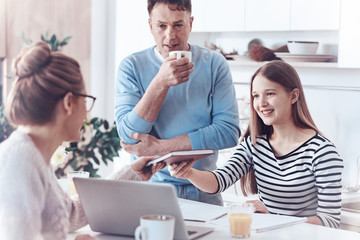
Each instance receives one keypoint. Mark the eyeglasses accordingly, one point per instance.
(89, 100)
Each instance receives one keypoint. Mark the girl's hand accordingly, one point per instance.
(259, 206)
(182, 169)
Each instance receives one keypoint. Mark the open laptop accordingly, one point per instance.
(114, 207)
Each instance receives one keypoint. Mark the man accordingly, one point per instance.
(165, 104)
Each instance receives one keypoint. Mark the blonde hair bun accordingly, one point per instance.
(31, 59)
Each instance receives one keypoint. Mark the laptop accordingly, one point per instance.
(114, 207)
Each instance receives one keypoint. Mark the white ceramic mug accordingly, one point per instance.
(155, 227)
(180, 54)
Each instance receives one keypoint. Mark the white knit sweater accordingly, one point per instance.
(32, 204)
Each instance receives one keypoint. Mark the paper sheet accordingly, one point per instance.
(265, 222)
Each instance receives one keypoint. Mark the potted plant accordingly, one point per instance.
(54, 43)
(98, 142)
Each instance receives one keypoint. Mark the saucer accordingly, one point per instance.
(303, 57)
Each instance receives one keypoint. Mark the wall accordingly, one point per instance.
(103, 32)
(35, 17)
(2, 29)
(117, 31)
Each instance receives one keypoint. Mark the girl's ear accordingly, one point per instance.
(67, 103)
(294, 95)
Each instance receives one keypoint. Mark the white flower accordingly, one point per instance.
(59, 156)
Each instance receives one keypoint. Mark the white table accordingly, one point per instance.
(303, 231)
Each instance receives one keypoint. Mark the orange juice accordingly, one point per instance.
(240, 224)
(72, 189)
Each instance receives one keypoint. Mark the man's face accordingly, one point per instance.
(170, 29)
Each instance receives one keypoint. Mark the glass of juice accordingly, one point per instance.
(240, 218)
(70, 176)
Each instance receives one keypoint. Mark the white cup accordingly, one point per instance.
(155, 227)
(180, 54)
(70, 176)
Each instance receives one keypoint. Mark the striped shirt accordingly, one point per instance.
(305, 182)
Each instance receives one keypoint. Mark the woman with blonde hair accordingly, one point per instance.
(283, 157)
(48, 103)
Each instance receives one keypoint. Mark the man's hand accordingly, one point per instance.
(139, 167)
(147, 146)
(84, 237)
(175, 71)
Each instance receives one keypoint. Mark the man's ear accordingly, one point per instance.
(191, 22)
(150, 25)
(294, 95)
(67, 103)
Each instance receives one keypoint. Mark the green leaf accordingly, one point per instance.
(96, 160)
(93, 120)
(106, 125)
(55, 45)
(93, 172)
(53, 38)
(67, 38)
(70, 149)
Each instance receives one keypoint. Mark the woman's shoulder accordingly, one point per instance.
(18, 150)
(320, 140)
(323, 147)
(260, 140)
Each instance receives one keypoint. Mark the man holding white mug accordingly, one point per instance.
(169, 103)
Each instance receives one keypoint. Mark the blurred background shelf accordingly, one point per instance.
(247, 62)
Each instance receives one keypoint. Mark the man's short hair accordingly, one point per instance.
(181, 5)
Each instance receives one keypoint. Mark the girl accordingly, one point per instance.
(283, 157)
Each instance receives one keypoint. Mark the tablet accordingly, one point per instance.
(179, 156)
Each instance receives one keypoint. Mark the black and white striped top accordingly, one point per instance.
(305, 182)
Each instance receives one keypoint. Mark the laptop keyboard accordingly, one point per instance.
(191, 232)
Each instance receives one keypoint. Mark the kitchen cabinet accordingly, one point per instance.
(218, 16)
(315, 15)
(349, 35)
(264, 15)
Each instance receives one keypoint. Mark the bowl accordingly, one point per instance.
(302, 47)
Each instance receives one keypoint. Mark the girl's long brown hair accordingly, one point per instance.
(285, 75)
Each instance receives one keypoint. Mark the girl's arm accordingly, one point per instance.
(203, 180)
(314, 220)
